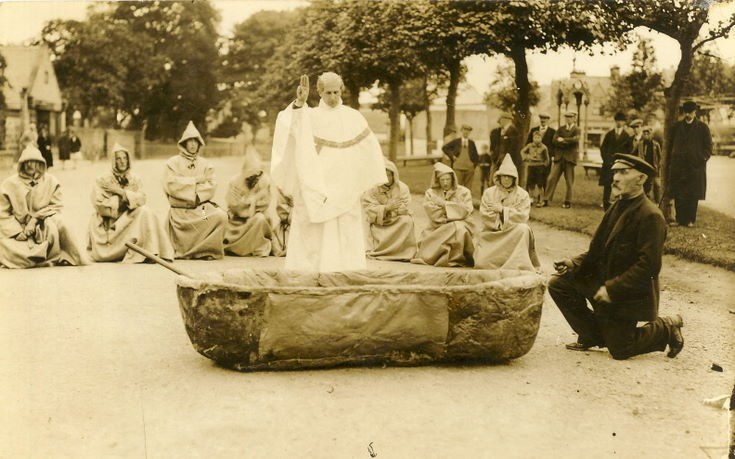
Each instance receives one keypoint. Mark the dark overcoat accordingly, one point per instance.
(612, 144)
(453, 148)
(64, 147)
(627, 259)
(44, 145)
(568, 147)
(688, 149)
(505, 143)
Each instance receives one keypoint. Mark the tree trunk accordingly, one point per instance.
(673, 98)
(354, 91)
(454, 68)
(521, 117)
(410, 134)
(394, 113)
(427, 103)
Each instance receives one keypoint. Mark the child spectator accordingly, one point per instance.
(535, 157)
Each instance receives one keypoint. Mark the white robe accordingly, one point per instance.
(326, 158)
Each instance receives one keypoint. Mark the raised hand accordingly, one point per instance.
(302, 92)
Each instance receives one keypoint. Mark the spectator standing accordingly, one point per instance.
(636, 126)
(565, 152)
(616, 140)
(688, 149)
(536, 162)
(650, 150)
(462, 153)
(44, 145)
(504, 141)
(486, 162)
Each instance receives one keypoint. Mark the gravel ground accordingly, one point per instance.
(97, 363)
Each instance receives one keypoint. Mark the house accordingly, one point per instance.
(31, 93)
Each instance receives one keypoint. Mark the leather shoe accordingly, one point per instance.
(566, 205)
(676, 340)
(543, 204)
(579, 346)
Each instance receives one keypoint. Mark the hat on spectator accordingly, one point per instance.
(619, 116)
(466, 126)
(506, 115)
(646, 129)
(623, 161)
(636, 123)
(570, 114)
(689, 106)
(544, 116)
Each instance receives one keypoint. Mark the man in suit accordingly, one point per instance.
(636, 125)
(617, 140)
(688, 149)
(565, 152)
(504, 141)
(650, 150)
(462, 153)
(619, 275)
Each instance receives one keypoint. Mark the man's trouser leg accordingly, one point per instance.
(565, 292)
(568, 180)
(554, 176)
(686, 210)
(464, 176)
(624, 339)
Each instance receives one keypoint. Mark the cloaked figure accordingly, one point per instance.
(196, 225)
(505, 240)
(391, 235)
(248, 230)
(32, 233)
(121, 215)
(281, 224)
(448, 239)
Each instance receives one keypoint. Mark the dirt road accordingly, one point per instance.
(96, 363)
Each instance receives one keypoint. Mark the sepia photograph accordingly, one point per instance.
(367, 228)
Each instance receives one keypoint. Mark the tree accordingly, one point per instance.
(503, 94)
(681, 20)
(641, 89)
(711, 76)
(184, 36)
(244, 62)
(413, 101)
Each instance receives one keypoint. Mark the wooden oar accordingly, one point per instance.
(157, 259)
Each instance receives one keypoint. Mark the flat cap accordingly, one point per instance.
(466, 126)
(623, 161)
(636, 122)
(570, 113)
(544, 115)
(619, 116)
(646, 129)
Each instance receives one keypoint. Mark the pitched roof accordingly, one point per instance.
(30, 67)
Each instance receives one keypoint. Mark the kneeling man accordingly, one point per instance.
(619, 274)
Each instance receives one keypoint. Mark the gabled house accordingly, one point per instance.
(31, 93)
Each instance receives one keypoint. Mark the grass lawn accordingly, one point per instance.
(711, 242)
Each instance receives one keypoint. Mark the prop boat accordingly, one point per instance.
(267, 320)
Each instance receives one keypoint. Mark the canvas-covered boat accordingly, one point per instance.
(258, 319)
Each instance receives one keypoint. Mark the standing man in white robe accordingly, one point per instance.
(326, 157)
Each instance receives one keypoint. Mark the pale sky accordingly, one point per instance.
(23, 20)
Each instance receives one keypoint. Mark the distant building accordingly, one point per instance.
(31, 94)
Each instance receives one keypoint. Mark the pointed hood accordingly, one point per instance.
(31, 153)
(252, 163)
(191, 132)
(506, 168)
(392, 167)
(441, 169)
(115, 148)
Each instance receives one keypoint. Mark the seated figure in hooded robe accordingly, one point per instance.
(505, 240)
(196, 225)
(32, 233)
(448, 239)
(122, 216)
(391, 234)
(248, 231)
(281, 224)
